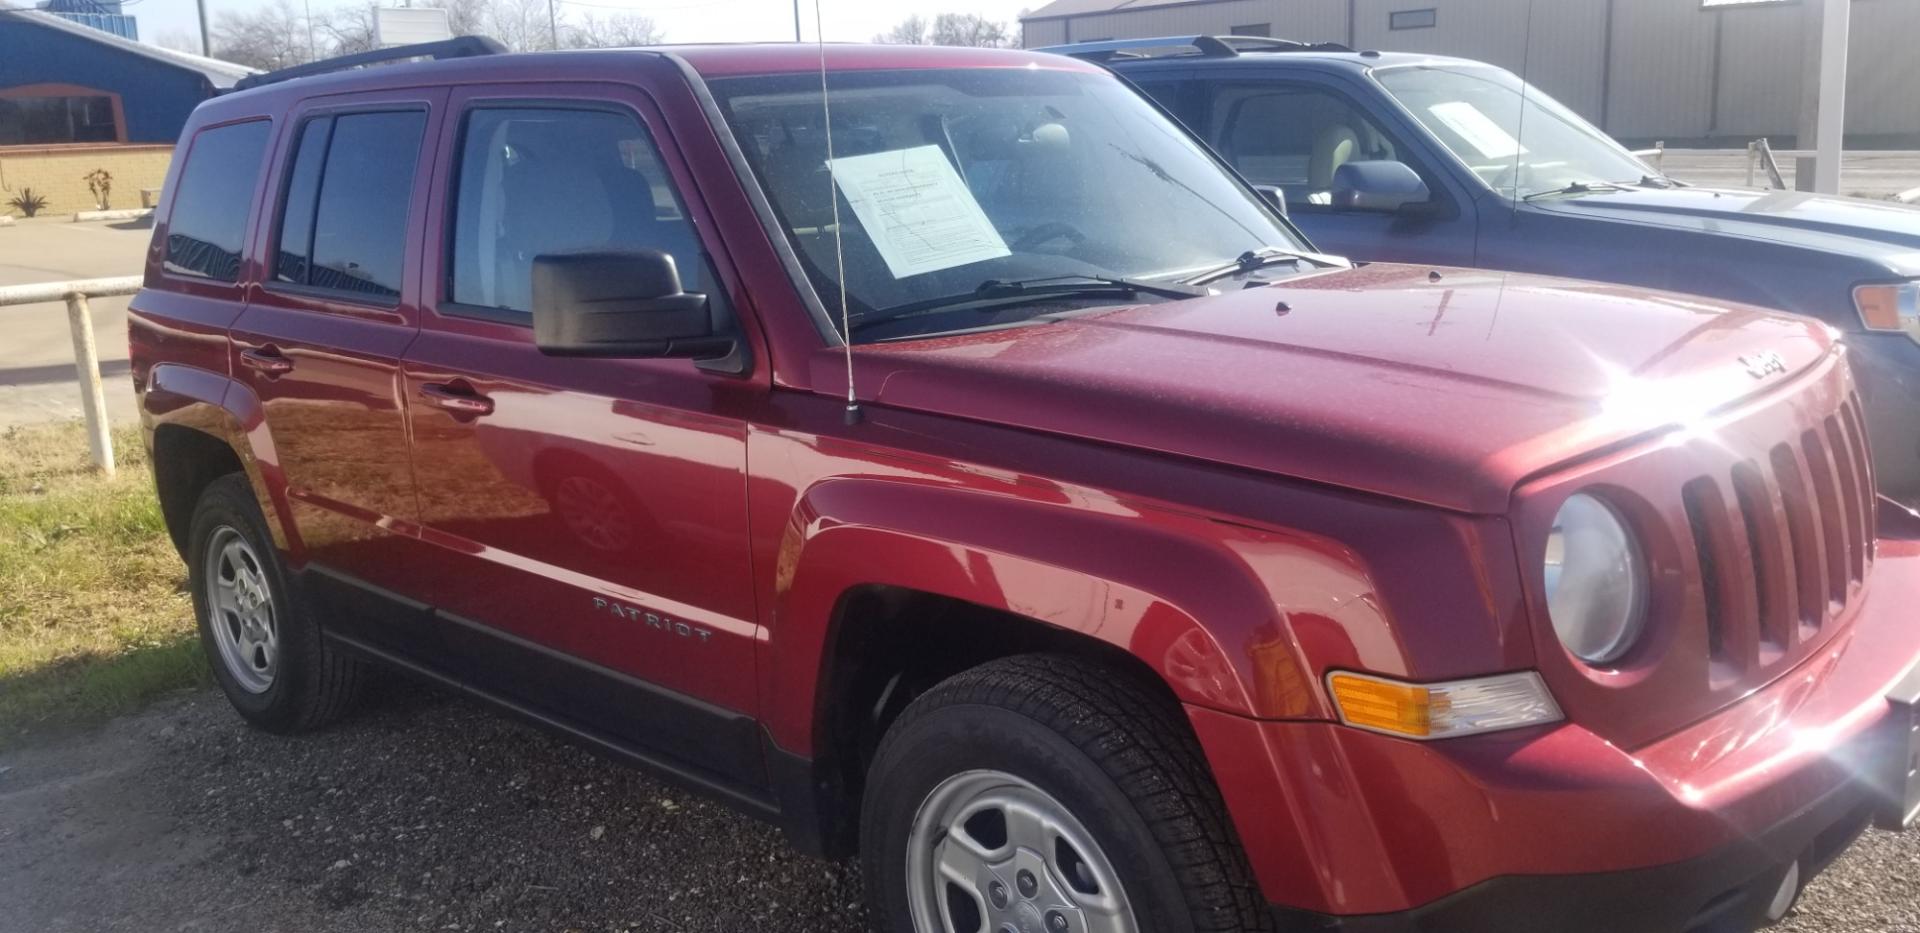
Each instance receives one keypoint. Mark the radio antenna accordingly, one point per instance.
(852, 414)
(1520, 124)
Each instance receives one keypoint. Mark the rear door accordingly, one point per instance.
(321, 339)
(585, 518)
(1295, 134)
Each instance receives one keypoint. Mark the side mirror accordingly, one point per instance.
(1383, 187)
(1274, 196)
(619, 304)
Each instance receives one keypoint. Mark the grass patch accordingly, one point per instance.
(94, 614)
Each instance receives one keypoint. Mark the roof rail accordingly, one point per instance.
(457, 47)
(1183, 46)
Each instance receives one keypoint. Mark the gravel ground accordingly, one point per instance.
(427, 813)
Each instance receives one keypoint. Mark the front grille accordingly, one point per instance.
(1783, 542)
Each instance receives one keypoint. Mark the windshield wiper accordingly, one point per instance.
(1578, 187)
(1252, 260)
(1659, 181)
(999, 293)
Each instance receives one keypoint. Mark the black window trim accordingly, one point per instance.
(240, 280)
(442, 301)
(269, 281)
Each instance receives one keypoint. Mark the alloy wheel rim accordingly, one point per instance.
(992, 853)
(240, 608)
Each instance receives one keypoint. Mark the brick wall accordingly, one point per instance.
(58, 173)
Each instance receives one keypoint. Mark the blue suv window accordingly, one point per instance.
(1293, 137)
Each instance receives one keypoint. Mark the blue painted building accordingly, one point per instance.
(63, 83)
(104, 15)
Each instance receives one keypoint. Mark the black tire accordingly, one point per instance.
(1117, 749)
(312, 684)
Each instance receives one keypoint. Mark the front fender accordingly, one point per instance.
(1191, 597)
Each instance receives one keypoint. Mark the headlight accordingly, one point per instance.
(1890, 307)
(1596, 581)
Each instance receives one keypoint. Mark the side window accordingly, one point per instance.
(344, 225)
(209, 219)
(534, 180)
(1293, 137)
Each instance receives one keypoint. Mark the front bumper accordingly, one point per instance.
(1556, 829)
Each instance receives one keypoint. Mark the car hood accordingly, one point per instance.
(1882, 229)
(1443, 386)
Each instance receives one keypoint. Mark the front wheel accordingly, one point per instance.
(1048, 794)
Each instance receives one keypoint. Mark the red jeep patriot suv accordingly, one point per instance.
(963, 467)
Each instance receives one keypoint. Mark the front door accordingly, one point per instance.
(585, 518)
(322, 336)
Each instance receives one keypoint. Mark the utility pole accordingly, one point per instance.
(206, 47)
(796, 20)
(553, 24)
(1831, 127)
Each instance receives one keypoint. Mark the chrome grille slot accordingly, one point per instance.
(1832, 516)
(1767, 540)
(1721, 542)
(1809, 549)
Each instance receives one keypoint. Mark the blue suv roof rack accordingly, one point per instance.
(456, 47)
(1181, 46)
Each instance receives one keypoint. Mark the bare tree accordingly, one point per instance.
(348, 29)
(909, 31)
(970, 29)
(618, 31)
(267, 37)
(520, 25)
(466, 17)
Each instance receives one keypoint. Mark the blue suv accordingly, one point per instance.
(1425, 159)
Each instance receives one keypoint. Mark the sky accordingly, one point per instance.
(683, 20)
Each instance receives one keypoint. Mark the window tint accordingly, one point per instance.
(535, 181)
(1293, 138)
(209, 218)
(359, 235)
(296, 219)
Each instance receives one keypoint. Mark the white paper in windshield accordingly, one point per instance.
(917, 209)
(1477, 129)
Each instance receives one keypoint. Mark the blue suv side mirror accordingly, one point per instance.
(1379, 186)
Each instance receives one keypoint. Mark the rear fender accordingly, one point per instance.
(1140, 581)
(215, 405)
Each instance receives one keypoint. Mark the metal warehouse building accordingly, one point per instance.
(1679, 70)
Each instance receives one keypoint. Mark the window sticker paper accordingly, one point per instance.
(917, 210)
(1477, 129)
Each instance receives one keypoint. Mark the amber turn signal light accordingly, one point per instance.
(1443, 710)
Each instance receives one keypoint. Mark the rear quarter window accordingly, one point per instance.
(208, 223)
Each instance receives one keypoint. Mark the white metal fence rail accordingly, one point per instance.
(86, 356)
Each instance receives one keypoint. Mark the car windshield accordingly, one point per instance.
(1475, 111)
(960, 183)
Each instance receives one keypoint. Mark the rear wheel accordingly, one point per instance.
(265, 651)
(1048, 794)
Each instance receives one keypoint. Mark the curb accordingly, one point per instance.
(131, 213)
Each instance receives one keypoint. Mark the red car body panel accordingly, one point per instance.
(1351, 470)
(1349, 822)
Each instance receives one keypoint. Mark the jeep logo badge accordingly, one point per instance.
(1764, 364)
